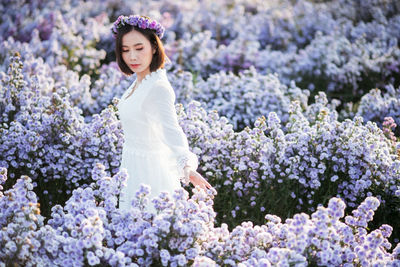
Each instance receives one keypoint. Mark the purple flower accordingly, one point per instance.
(142, 22)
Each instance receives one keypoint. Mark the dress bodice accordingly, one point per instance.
(138, 131)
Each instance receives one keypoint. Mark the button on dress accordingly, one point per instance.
(155, 148)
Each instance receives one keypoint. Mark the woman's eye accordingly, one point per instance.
(125, 50)
(140, 48)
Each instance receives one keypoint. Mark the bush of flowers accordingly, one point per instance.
(314, 159)
(192, 53)
(91, 96)
(240, 98)
(244, 98)
(357, 49)
(239, 159)
(332, 63)
(46, 138)
(183, 84)
(67, 48)
(345, 56)
(90, 231)
(61, 32)
(376, 105)
(269, 151)
(335, 64)
(321, 239)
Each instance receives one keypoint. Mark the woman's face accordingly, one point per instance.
(137, 53)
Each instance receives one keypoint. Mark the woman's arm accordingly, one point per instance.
(159, 105)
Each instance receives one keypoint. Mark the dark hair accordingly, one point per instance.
(158, 57)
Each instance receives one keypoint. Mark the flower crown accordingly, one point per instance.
(142, 22)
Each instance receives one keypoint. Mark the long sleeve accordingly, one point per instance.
(159, 105)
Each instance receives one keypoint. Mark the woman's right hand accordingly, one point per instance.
(196, 179)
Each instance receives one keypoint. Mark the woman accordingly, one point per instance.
(156, 150)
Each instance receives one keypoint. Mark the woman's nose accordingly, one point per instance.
(132, 55)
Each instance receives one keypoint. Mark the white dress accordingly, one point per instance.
(155, 148)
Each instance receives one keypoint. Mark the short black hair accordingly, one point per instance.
(158, 59)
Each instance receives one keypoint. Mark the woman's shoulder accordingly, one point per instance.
(160, 83)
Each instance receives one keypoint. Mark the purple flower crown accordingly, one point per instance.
(142, 22)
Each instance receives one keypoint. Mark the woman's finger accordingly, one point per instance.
(200, 181)
(205, 182)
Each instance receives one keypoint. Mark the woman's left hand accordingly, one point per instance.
(196, 179)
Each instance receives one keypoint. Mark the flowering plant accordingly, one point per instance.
(142, 22)
(89, 230)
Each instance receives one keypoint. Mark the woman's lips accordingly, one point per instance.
(134, 65)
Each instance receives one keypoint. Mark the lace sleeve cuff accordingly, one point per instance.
(187, 160)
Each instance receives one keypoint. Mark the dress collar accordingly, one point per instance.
(148, 77)
(152, 74)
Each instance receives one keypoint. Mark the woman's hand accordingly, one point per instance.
(196, 179)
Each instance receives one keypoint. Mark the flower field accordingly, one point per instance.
(292, 107)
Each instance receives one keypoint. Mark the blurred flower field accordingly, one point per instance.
(292, 107)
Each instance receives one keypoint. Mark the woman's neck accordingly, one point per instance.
(140, 76)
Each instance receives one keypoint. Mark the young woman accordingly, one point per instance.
(155, 150)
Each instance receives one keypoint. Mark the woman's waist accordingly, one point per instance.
(145, 138)
(145, 146)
